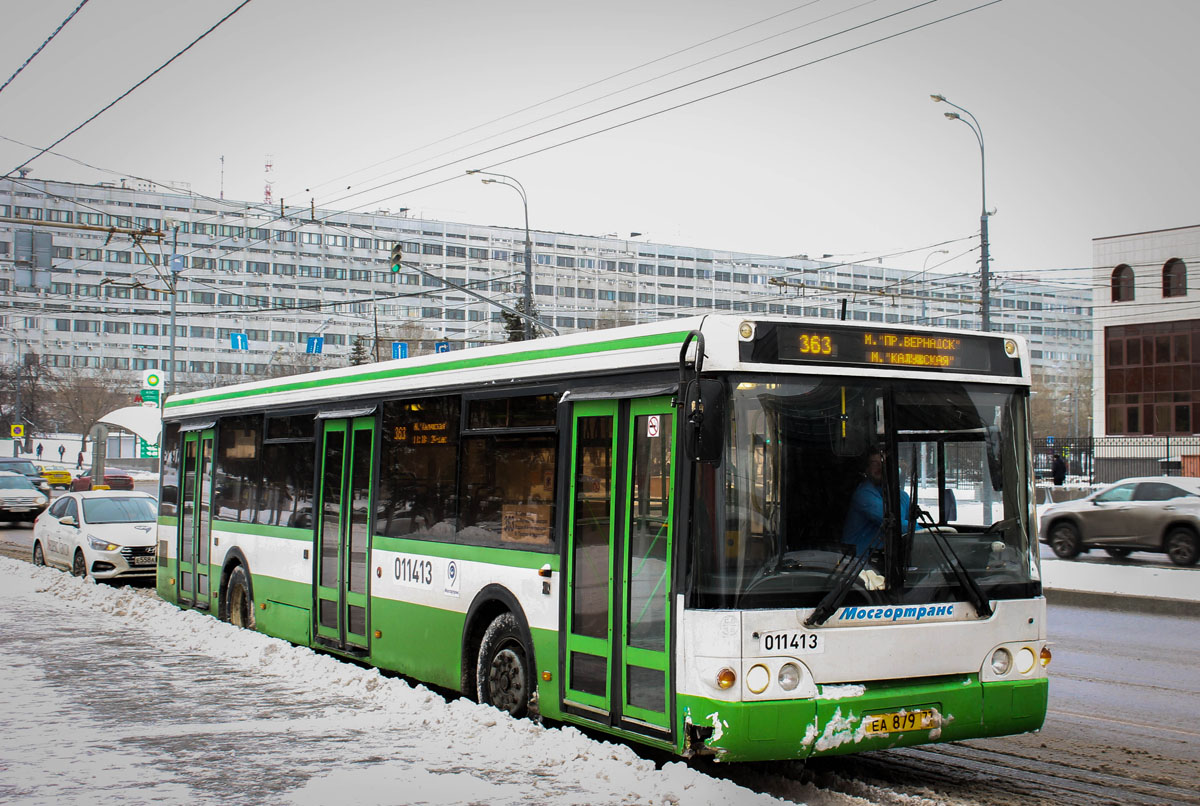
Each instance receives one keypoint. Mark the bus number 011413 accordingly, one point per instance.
(414, 571)
(792, 642)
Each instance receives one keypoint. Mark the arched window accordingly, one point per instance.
(1174, 278)
(1122, 284)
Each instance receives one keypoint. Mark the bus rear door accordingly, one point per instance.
(195, 518)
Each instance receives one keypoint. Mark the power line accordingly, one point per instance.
(127, 92)
(32, 56)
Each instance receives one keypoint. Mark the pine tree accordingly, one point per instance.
(515, 325)
(358, 352)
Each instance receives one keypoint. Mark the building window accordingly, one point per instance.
(1174, 278)
(1122, 284)
(1148, 383)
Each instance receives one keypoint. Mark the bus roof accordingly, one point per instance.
(587, 354)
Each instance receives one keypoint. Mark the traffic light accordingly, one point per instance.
(396, 257)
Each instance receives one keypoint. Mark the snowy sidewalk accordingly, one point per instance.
(1123, 586)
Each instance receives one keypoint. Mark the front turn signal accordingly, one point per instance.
(1046, 656)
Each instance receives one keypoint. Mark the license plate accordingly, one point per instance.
(144, 560)
(900, 721)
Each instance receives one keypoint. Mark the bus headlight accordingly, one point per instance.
(726, 678)
(758, 678)
(1025, 660)
(1001, 661)
(789, 676)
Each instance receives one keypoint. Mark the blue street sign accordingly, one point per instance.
(176, 263)
(1050, 441)
(239, 341)
(315, 343)
(399, 349)
(441, 347)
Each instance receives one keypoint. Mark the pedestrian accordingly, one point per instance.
(39, 451)
(1058, 470)
(61, 451)
(79, 463)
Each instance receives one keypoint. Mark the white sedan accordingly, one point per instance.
(104, 534)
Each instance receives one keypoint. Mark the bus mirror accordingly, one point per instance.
(704, 419)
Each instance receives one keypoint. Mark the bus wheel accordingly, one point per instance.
(502, 674)
(239, 607)
(38, 557)
(1064, 539)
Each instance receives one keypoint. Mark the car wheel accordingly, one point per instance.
(503, 672)
(1119, 554)
(1064, 540)
(38, 557)
(1181, 546)
(79, 564)
(239, 606)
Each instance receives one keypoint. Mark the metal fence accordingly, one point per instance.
(1100, 460)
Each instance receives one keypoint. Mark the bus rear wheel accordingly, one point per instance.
(503, 672)
(239, 606)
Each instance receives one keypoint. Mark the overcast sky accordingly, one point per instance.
(1087, 106)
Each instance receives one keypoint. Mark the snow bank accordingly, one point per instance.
(395, 743)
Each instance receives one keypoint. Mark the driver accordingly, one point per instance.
(865, 518)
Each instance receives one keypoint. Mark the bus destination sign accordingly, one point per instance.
(938, 352)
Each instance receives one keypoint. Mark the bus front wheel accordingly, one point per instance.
(502, 674)
(239, 606)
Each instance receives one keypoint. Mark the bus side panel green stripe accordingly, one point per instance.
(654, 340)
(514, 558)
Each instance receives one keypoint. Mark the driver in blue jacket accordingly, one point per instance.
(865, 518)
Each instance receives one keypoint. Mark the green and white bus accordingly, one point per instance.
(655, 532)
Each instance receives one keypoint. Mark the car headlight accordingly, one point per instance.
(101, 545)
(41, 499)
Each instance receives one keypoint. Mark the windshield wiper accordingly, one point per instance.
(967, 582)
(833, 600)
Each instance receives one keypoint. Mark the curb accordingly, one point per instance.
(1124, 602)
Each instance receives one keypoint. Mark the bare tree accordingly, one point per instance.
(1062, 402)
(79, 400)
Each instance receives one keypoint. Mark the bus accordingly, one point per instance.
(718, 536)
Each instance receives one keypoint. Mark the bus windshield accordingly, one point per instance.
(895, 490)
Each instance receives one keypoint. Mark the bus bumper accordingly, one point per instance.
(964, 708)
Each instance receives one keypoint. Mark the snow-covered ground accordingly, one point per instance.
(114, 696)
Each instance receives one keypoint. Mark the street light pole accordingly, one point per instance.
(527, 321)
(984, 269)
(173, 271)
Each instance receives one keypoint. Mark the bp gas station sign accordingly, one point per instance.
(151, 394)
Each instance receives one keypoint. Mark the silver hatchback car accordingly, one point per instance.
(1154, 513)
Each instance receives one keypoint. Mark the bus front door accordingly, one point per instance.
(195, 519)
(342, 528)
(618, 577)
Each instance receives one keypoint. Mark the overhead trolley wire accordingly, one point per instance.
(33, 56)
(127, 92)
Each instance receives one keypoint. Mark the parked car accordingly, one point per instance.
(19, 499)
(1154, 513)
(105, 534)
(27, 469)
(56, 476)
(114, 480)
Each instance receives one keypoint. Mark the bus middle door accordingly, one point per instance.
(342, 527)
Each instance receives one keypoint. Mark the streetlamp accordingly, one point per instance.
(527, 320)
(984, 292)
